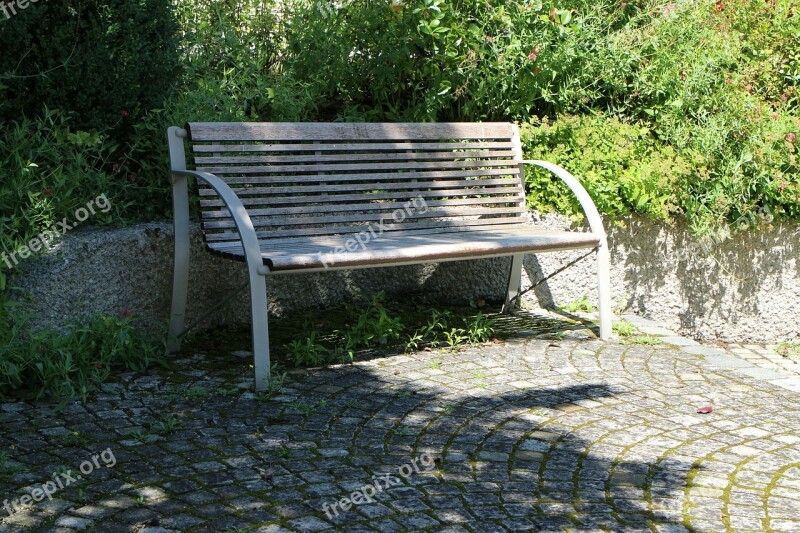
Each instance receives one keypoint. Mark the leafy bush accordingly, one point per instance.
(71, 363)
(104, 62)
(49, 170)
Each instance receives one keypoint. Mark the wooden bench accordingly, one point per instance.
(307, 197)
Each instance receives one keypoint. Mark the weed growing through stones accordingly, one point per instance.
(789, 349)
(623, 328)
(582, 304)
(649, 340)
(165, 426)
(307, 352)
(305, 408)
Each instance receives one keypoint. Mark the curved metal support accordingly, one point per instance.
(242, 220)
(255, 264)
(596, 225)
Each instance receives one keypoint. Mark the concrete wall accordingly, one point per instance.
(746, 289)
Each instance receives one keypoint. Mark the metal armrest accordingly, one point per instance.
(242, 220)
(592, 215)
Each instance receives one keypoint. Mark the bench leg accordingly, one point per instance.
(514, 282)
(180, 274)
(260, 309)
(604, 290)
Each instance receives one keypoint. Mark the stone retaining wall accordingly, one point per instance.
(746, 289)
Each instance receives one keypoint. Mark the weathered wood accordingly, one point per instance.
(302, 131)
(409, 247)
(344, 229)
(218, 149)
(372, 176)
(339, 208)
(373, 156)
(479, 186)
(384, 214)
(357, 167)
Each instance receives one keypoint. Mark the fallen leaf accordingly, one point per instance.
(705, 410)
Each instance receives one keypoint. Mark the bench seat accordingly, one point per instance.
(320, 253)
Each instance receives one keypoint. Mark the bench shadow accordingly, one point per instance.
(500, 458)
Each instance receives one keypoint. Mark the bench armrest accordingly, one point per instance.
(242, 220)
(592, 215)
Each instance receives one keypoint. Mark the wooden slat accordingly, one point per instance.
(357, 167)
(349, 147)
(373, 177)
(302, 131)
(373, 156)
(334, 239)
(336, 230)
(332, 208)
(268, 221)
(362, 198)
(349, 187)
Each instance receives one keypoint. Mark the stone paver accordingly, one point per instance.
(534, 434)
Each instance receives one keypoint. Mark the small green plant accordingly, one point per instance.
(231, 391)
(789, 349)
(307, 352)
(403, 394)
(305, 408)
(373, 327)
(455, 337)
(140, 435)
(623, 328)
(140, 501)
(644, 339)
(196, 392)
(436, 363)
(479, 374)
(579, 305)
(275, 385)
(165, 426)
(403, 431)
(480, 328)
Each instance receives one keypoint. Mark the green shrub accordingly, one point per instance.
(622, 165)
(104, 62)
(48, 171)
(64, 364)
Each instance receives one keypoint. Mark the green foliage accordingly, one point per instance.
(579, 305)
(445, 328)
(69, 363)
(307, 352)
(649, 340)
(372, 327)
(48, 171)
(104, 62)
(623, 328)
(789, 349)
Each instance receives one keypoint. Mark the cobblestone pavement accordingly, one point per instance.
(532, 434)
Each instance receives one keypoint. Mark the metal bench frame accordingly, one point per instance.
(258, 261)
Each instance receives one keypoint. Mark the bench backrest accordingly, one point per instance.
(304, 179)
